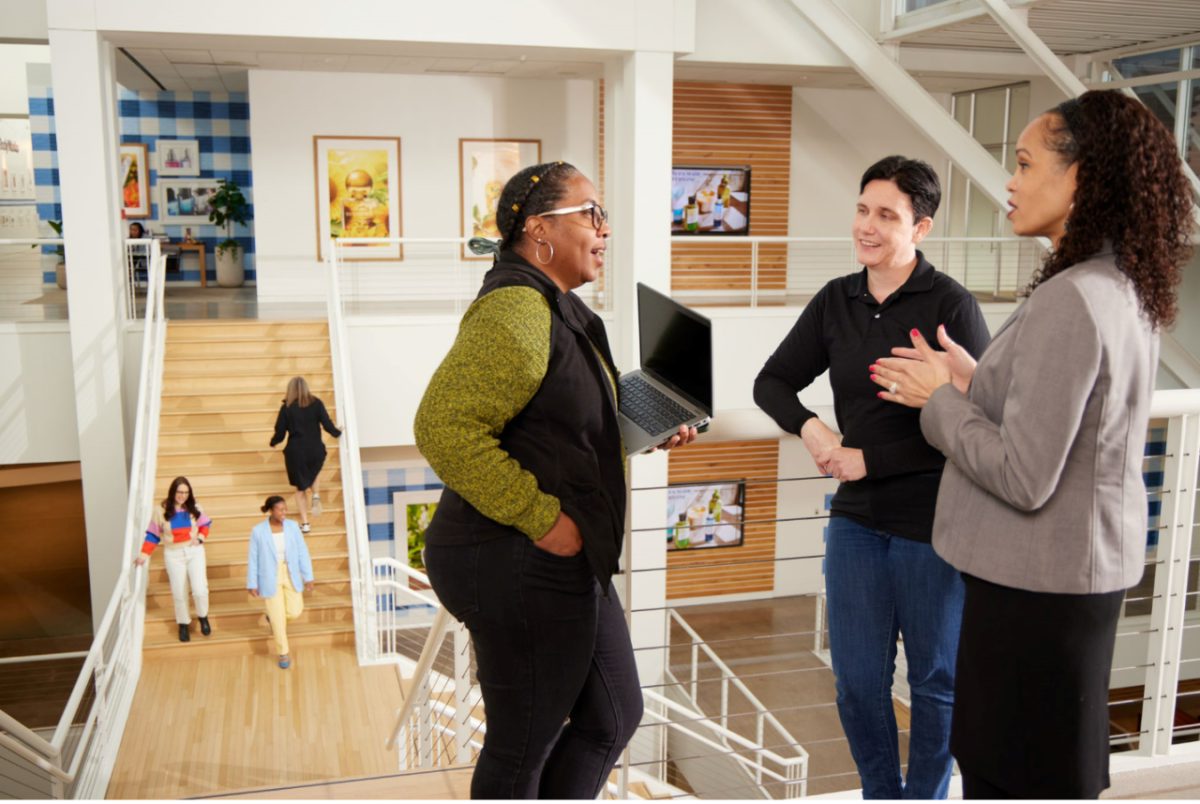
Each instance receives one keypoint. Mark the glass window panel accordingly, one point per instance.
(982, 217)
(1160, 99)
(958, 203)
(1018, 115)
(914, 5)
(1164, 61)
(989, 116)
(962, 109)
(1192, 152)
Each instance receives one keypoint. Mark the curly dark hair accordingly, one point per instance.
(532, 191)
(1130, 189)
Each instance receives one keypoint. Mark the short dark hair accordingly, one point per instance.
(533, 191)
(915, 178)
(271, 502)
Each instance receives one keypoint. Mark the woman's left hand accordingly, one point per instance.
(194, 543)
(308, 586)
(686, 435)
(911, 381)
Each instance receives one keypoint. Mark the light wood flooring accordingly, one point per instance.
(221, 724)
(223, 382)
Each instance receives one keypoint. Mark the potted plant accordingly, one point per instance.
(60, 270)
(229, 206)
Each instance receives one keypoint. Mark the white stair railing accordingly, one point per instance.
(77, 760)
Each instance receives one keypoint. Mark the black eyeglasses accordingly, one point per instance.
(599, 214)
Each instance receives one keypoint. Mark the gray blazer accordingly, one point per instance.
(1043, 484)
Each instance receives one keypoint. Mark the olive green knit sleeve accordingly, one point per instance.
(493, 369)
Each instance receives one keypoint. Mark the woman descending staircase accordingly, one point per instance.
(223, 383)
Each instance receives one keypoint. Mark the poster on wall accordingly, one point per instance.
(185, 201)
(16, 161)
(135, 180)
(711, 515)
(485, 166)
(358, 195)
(178, 157)
(412, 512)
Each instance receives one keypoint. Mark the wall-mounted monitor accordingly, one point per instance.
(709, 515)
(710, 200)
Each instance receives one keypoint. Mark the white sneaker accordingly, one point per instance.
(304, 527)
(316, 505)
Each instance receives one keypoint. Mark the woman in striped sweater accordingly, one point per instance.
(183, 529)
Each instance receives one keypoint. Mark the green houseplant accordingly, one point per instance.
(229, 206)
(60, 270)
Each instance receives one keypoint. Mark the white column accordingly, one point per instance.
(85, 110)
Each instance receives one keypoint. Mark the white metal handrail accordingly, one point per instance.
(357, 543)
(113, 663)
(762, 715)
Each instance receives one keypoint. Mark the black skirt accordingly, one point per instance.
(1031, 690)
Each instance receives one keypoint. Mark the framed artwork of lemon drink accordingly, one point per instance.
(485, 166)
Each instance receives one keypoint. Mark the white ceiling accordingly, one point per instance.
(184, 69)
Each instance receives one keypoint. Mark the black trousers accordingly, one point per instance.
(554, 662)
(1031, 692)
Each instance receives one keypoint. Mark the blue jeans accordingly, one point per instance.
(879, 586)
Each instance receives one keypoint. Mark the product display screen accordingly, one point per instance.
(711, 515)
(710, 200)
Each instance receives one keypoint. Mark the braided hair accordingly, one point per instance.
(532, 191)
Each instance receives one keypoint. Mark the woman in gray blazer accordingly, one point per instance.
(1042, 505)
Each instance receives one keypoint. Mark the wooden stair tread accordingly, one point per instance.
(242, 392)
(254, 606)
(234, 562)
(232, 323)
(226, 584)
(267, 450)
(255, 634)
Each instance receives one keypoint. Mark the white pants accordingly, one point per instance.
(186, 564)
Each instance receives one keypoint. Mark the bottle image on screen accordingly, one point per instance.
(714, 505)
(691, 215)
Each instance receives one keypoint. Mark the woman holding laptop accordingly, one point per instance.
(520, 423)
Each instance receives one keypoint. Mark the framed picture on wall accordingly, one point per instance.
(485, 166)
(178, 157)
(185, 201)
(357, 195)
(711, 515)
(135, 180)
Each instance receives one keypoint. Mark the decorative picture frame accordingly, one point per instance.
(706, 524)
(135, 180)
(484, 167)
(356, 192)
(178, 157)
(184, 201)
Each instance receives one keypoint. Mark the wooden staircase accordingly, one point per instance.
(223, 382)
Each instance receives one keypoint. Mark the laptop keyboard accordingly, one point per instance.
(649, 408)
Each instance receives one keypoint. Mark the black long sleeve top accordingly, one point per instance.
(844, 330)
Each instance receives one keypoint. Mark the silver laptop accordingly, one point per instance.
(674, 384)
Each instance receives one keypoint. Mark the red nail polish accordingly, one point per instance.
(880, 394)
(873, 368)
(915, 332)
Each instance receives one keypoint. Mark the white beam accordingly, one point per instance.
(1031, 43)
(934, 18)
(909, 98)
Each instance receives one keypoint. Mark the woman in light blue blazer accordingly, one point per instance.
(276, 568)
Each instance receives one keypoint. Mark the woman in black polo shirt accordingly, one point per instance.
(882, 577)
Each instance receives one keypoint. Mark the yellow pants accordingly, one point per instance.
(283, 607)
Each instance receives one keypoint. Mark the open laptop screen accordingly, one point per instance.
(676, 345)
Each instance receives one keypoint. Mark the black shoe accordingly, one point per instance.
(184, 636)
(205, 628)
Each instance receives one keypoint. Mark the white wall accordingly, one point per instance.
(836, 135)
(14, 94)
(37, 394)
(759, 32)
(428, 113)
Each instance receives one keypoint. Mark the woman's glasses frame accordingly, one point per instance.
(599, 214)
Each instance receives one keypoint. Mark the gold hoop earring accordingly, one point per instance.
(537, 252)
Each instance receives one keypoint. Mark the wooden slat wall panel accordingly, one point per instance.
(735, 124)
(696, 573)
(600, 164)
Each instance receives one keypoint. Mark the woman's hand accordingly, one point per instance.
(686, 435)
(820, 441)
(308, 586)
(918, 372)
(141, 559)
(563, 538)
(843, 463)
(193, 542)
(253, 592)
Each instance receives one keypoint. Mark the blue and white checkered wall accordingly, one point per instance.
(219, 122)
(380, 481)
